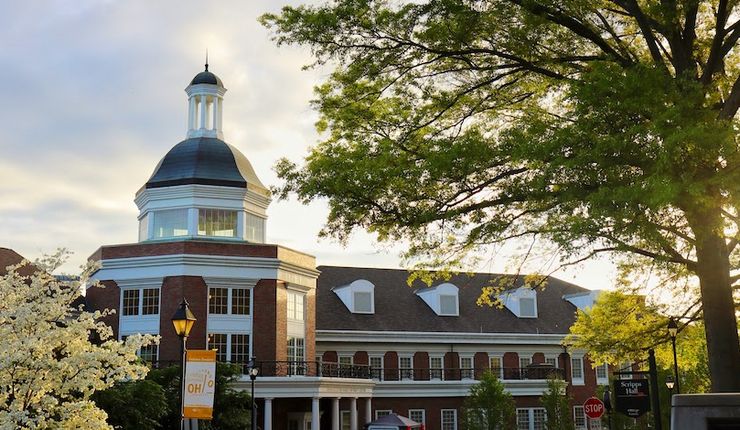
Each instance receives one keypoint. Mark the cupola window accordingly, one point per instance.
(170, 223)
(217, 222)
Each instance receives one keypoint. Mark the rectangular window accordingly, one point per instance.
(170, 223)
(447, 305)
(346, 420)
(218, 341)
(524, 362)
(466, 367)
(255, 228)
(418, 415)
(217, 222)
(130, 302)
(218, 301)
(149, 353)
(345, 360)
(552, 361)
(150, 305)
(239, 348)
(297, 355)
(449, 419)
(496, 367)
(376, 366)
(539, 418)
(526, 307)
(435, 367)
(579, 418)
(602, 374)
(522, 419)
(382, 412)
(296, 306)
(363, 301)
(577, 370)
(406, 368)
(240, 301)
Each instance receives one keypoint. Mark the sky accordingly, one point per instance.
(92, 98)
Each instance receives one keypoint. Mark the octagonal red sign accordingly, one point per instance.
(593, 408)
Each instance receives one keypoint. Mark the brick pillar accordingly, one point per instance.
(481, 364)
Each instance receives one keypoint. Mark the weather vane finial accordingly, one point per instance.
(206, 59)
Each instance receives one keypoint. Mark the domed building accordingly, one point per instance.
(334, 351)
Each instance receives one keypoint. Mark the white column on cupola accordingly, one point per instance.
(205, 109)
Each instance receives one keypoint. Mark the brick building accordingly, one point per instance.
(336, 346)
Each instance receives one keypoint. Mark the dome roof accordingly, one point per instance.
(204, 161)
(206, 77)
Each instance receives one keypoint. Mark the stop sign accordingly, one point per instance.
(593, 408)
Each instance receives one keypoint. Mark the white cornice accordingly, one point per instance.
(453, 388)
(435, 337)
(307, 386)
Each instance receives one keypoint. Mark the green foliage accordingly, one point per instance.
(488, 406)
(232, 408)
(622, 327)
(557, 406)
(133, 405)
(584, 126)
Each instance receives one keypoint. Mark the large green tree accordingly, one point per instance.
(597, 126)
(488, 405)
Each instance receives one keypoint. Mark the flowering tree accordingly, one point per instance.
(49, 367)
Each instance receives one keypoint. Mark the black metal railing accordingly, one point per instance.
(337, 370)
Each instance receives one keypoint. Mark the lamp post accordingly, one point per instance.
(253, 372)
(669, 382)
(183, 321)
(673, 331)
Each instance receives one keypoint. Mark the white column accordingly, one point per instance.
(191, 113)
(220, 113)
(353, 413)
(368, 411)
(192, 221)
(268, 414)
(335, 413)
(203, 111)
(214, 124)
(315, 414)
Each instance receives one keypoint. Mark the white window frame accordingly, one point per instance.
(351, 358)
(528, 360)
(423, 415)
(292, 296)
(442, 418)
(434, 369)
(530, 417)
(385, 412)
(378, 375)
(140, 306)
(577, 380)
(230, 301)
(500, 371)
(534, 305)
(370, 293)
(602, 380)
(406, 373)
(553, 358)
(457, 305)
(582, 413)
(467, 373)
(229, 343)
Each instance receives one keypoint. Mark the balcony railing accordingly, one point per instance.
(337, 370)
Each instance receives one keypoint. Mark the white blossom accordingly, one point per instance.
(54, 356)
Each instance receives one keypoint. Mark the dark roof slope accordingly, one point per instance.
(206, 77)
(205, 161)
(397, 308)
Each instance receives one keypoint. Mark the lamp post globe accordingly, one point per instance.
(669, 382)
(183, 321)
(672, 332)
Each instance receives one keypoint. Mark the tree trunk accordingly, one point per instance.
(713, 270)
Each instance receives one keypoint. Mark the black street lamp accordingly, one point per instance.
(608, 405)
(253, 372)
(669, 382)
(673, 331)
(183, 321)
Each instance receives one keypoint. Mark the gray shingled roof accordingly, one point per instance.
(397, 308)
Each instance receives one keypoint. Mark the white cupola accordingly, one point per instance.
(203, 188)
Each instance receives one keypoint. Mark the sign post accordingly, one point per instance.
(200, 384)
(594, 409)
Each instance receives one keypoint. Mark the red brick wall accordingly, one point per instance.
(184, 247)
(538, 358)
(360, 358)
(267, 322)
(311, 325)
(451, 364)
(107, 297)
(330, 357)
(511, 359)
(174, 289)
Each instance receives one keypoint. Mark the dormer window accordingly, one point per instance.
(522, 302)
(358, 297)
(442, 299)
